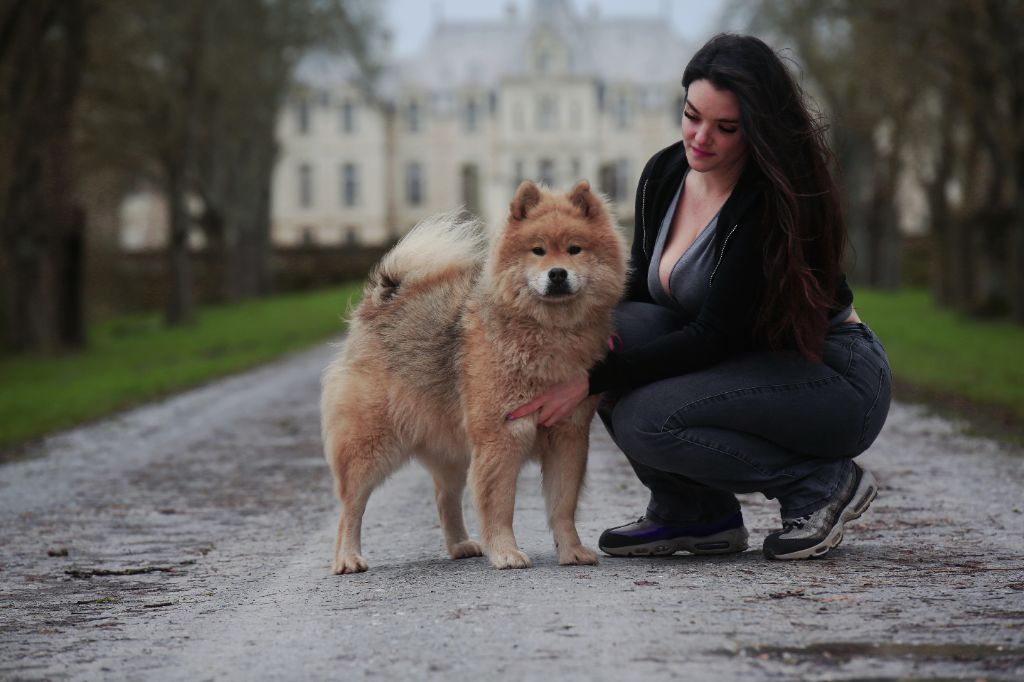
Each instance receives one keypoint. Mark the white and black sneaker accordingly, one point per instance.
(814, 535)
(650, 537)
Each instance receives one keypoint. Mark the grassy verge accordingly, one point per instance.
(962, 365)
(970, 366)
(134, 359)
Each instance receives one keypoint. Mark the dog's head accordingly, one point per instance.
(558, 248)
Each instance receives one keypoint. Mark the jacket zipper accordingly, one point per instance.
(721, 254)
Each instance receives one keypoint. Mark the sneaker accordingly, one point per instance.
(647, 537)
(814, 535)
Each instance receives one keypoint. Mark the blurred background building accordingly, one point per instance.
(547, 93)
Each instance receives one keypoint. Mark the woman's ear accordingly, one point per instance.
(526, 198)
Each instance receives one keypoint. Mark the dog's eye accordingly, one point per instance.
(573, 250)
(538, 250)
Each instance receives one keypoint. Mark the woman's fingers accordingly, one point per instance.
(528, 408)
(554, 404)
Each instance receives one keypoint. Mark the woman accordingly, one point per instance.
(741, 365)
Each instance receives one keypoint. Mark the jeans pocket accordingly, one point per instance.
(838, 354)
(876, 414)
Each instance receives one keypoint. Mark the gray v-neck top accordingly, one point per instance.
(688, 282)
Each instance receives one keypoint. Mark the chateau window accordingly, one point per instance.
(606, 180)
(351, 235)
(547, 113)
(519, 172)
(302, 116)
(306, 186)
(470, 115)
(413, 117)
(414, 183)
(518, 117)
(621, 112)
(349, 184)
(677, 112)
(575, 115)
(546, 173)
(576, 169)
(471, 188)
(307, 237)
(347, 117)
(621, 179)
(614, 179)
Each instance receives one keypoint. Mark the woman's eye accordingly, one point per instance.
(690, 116)
(538, 250)
(728, 131)
(573, 250)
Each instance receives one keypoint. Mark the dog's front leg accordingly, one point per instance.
(563, 464)
(494, 472)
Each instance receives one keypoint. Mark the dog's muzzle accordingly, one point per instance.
(560, 282)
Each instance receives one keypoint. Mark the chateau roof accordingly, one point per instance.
(462, 54)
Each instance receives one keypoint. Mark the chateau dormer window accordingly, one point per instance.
(544, 62)
(547, 113)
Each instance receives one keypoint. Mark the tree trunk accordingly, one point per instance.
(939, 212)
(41, 224)
(855, 158)
(180, 300)
(179, 169)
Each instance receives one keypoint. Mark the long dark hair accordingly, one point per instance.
(803, 232)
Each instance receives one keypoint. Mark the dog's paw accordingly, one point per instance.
(351, 563)
(464, 549)
(510, 558)
(577, 556)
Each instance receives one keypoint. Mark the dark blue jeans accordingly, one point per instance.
(773, 423)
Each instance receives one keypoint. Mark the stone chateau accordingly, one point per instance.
(546, 94)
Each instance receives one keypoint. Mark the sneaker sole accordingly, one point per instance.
(866, 493)
(726, 542)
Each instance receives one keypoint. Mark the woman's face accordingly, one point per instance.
(712, 135)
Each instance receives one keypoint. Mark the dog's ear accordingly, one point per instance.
(526, 198)
(586, 201)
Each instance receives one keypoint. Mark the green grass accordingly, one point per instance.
(135, 358)
(947, 354)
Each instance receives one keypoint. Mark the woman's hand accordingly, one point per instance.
(554, 403)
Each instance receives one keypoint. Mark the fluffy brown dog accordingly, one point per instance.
(449, 338)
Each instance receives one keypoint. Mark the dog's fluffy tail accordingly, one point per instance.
(442, 242)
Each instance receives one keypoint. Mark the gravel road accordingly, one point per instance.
(191, 539)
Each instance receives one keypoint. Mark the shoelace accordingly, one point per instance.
(797, 523)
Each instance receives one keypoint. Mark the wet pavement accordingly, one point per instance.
(191, 539)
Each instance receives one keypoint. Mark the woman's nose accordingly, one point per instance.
(703, 134)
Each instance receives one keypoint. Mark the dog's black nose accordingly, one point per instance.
(557, 275)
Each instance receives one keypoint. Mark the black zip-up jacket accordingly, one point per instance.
(725, 324)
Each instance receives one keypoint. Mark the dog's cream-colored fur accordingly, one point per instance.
(453, 334)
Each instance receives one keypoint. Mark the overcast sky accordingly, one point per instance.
(412, 20)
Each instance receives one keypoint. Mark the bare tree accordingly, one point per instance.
(188, 95)
(241, 110)
(42, 45)
(939, 84)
